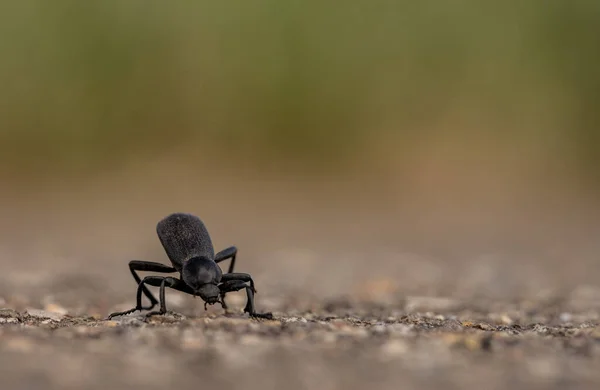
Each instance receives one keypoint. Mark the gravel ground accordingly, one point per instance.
(363, 297)
(425, 342)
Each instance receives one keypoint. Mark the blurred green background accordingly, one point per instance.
(87, 85)
(448, 146)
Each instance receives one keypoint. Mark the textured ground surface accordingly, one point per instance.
(424, 343)
(365, 295)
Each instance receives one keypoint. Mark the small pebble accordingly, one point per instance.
(540, 329)
(54, 308)
(566, 317)
(452, 325)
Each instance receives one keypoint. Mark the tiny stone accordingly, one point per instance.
(540, 328)
(452, 325)
(54, 308)
(566, 317)
(506, 320)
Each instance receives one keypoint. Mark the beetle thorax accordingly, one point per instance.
(199, 271)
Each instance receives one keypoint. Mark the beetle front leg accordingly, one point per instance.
(238, 276)
(228, 253)
(236, 282)
(156, 281)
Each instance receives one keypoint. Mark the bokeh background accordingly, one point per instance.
(434, 148)
(400, 156)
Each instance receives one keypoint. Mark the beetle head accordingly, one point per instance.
(209, 293)
(203, 275)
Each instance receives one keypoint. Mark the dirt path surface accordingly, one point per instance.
(333, 347)
(366, 293)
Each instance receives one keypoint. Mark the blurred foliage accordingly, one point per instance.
(95, 82)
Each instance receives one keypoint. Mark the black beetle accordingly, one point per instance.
(189, 247)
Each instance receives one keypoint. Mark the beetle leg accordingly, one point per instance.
(157, 281)
(237, 281)
(140, 265)
(161, 295)
(239, 276)
(228, 253)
